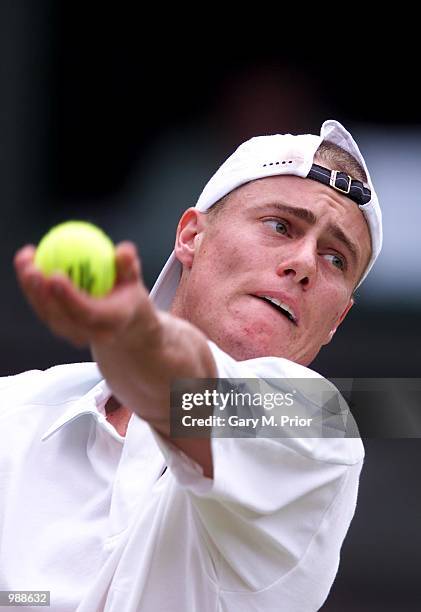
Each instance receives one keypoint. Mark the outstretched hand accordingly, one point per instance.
(75, 315)
(138, 349)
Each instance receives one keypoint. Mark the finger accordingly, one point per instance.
(111, 310)
(46, 308)
(40, 292)
(128, 264)
(61, 325)
(100, 317)
(23, 256)
(31, 281)
(114, 309)
(72, 313)
(41, 295)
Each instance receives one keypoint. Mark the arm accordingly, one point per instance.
(139, 349)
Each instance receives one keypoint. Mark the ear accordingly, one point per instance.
(341, 318)
(189, 233)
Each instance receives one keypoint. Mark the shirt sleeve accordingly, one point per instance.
(269, 498)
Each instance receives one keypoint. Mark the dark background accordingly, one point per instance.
(107, 116)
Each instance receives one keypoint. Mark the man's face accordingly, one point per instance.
(285, 238)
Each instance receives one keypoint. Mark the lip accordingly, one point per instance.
(282, 297)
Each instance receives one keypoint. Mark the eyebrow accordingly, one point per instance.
(310, 218)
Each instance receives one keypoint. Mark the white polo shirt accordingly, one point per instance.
(91, 517)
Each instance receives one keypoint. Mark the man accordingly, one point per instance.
(99, 505)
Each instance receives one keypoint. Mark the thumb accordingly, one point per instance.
(128, 266)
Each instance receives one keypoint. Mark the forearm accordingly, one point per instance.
(141, 365)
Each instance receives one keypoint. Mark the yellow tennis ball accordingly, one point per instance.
(83, 252)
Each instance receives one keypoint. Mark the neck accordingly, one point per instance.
(117, 415)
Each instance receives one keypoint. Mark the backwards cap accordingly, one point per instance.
(264, 156)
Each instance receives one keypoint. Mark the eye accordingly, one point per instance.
(280, 227)
(336, 260)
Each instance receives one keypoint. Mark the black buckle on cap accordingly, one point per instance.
(337, 178)
(342, 182)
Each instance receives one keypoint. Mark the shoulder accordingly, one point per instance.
(260, 367)
(336, 440)
(51, 386)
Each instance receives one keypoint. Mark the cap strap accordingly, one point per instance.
(342, 182)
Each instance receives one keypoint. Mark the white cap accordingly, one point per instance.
(264, 156)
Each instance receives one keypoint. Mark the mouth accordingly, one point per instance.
(280, 307)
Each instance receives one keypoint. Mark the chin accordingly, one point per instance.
(242, 349)
(244, 341)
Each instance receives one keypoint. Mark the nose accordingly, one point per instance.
(300, 263)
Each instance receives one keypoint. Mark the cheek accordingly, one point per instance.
(331, 309)
(225, 259)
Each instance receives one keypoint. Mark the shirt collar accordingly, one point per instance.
(92, 403)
